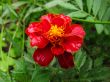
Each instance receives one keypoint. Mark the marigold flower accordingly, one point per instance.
(55, 36)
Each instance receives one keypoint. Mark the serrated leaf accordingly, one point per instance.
(80, 59)
(89, 5)
(41, 77)
(68, 6)
(99, 28)
(80, 4)
(20, 72)
(88, 65)
(28, 58)
(96, 6)
(4, 77)
(78, 14)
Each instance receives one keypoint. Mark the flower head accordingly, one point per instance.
(55, 36)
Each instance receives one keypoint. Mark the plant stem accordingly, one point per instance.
(88, 21)
(13, 38)
(2, 29)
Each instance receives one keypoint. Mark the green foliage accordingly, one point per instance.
(92, 62)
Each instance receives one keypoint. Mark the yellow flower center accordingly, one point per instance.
(55, 32)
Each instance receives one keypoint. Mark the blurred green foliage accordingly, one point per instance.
(92, 62)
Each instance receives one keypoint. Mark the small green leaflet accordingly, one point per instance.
(80, 59)
(96, 6)
(78, 14)
(80, 4)
(68, 5)
(99, 28)
(89, 5)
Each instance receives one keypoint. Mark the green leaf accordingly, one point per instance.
(99, 28)
(1, 20)
(89, 5)
(78, 14)
(12, 11)
(80, 4)
(107, 29)
(99, 73)
(4, 77)
(87, 65)
(80, 59)
(52, 3)
(106, 15)
(41, 76)
(18, 4)
(28, 58)
(1, 9)
(98, 61)
(96, 6)
(68, 5)
(6, 62)
(38, 9)
(102, 10)
(20, 72)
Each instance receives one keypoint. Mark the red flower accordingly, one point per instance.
(55, 36)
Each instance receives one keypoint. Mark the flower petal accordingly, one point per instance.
(77, 30)
(72, 44)
(43, 56)
(66, 18)
(45, 25)
(33, 27)
(57, 50)
(61, 20)
(58, 21)
(38, 40)
(48, 17)
(66, 60)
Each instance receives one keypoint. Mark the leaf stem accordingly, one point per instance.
(88, 21)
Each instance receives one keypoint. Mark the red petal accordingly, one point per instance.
(33, 27)
(72, 44)
(61, 20)
(58, 21)
(66, 60)
(37, 40)
(45, 25)
(57, 50)
(43, 56)
(66, 18)
(77, 30)
(48, 17)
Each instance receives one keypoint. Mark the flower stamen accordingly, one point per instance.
(55, 32)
